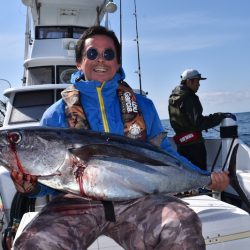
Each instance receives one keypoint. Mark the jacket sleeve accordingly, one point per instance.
(193, 110)
(42, 190)
(150, 115)
(54, 116)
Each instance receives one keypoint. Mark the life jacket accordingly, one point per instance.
(134, 124)
(188, 137)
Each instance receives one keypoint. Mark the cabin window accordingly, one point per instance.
(41, 75)
(77, 32)
(52, 32)
(64, 73)
(30, 106)
(58, 32)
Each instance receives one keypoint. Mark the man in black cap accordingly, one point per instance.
(185, 113)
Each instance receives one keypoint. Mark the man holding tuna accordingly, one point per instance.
(100, 100)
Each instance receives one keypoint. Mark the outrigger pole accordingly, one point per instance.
(138, 49)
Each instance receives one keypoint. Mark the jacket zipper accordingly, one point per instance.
(102, 108)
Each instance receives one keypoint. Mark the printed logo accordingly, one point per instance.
(186, 138)
(134, 130)
(130, 105)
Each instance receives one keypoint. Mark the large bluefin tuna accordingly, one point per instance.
(96, 165)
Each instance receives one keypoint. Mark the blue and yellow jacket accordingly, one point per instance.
(102, 109)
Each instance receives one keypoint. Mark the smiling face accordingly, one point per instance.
(99, 69)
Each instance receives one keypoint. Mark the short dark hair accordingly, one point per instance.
(92, 31)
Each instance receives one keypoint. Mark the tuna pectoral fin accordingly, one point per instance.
(90, 150)
(233, 177)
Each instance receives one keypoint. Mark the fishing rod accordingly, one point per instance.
(138, 48)
(1, 210)
(121, 28)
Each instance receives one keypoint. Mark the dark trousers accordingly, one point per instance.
(196, 153)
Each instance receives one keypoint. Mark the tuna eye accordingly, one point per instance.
(14, 137)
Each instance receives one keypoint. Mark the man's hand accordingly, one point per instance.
(220, 180)
(24, 183)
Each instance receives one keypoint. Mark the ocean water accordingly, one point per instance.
(243, 122)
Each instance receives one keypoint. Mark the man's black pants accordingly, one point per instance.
(196, 153)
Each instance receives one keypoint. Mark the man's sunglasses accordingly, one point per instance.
(108, 54)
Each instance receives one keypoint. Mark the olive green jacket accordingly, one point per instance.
(185, 112)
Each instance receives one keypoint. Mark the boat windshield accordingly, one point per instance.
(29, 106)
(41, 75)
(46, 74)
(58, 32)
(64, 73)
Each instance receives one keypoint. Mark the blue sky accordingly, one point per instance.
(212, 36)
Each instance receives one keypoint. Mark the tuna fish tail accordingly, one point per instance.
(234, 182)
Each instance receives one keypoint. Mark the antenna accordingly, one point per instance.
(138, 49)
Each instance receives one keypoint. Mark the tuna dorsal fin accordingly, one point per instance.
(234, 179)
(90, 150)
